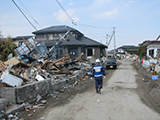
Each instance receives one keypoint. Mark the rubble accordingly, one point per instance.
(38, 71)
(129, 57)
(11, 80)
(150, 65)
(34, 74)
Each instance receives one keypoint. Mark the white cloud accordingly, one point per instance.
(107, 14)
(62, 16)
(131, 1)
(76, 19)
(128, 3)
(99, 4)
(16, 31)
(125, 4)
(6, 19)
(71, 2)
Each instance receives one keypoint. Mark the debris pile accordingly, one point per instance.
(149, 68)
(35, 64)
(129, 57)
(16, 73)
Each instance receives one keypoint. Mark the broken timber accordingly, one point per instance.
(54, 65)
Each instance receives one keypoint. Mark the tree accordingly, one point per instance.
(0, 35)
(142, 51)
(6, 47)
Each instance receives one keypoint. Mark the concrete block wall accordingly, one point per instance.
(8, 93)
(3, 103)
(29, 92)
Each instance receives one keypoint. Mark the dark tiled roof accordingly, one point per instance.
(21, 37)
(83, 41)
(56, 29)
(155, 43)
(128, 47)
(90, 42)
(146, 43)
(72, 42)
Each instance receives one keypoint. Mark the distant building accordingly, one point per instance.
(111, 53)
(4, 39)
(127, 48)
(131, 49)
(19, 40)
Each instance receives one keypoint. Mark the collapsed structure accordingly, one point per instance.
(43, 66)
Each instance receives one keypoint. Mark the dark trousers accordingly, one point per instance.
(98, 83)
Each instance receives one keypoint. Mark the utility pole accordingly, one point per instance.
(107, 45)
(108, 42)
(107, 39)
(114, 41)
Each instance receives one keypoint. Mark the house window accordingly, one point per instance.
(151, 53)
(20, 43)
(89, 52)
(158, 53)
(49, 36)
(73, 52)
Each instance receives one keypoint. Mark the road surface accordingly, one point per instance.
(119, 101)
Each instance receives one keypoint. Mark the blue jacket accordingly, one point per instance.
(98, 71)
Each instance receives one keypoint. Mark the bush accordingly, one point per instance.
(6, 48)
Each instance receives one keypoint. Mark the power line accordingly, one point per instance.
(24, 15)
(28, 12)
(75, 23)
(72, 21)
(93, 26)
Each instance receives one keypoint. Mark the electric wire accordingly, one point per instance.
(85, 25)
(24, 15)
(79, 24)
(29, 13)
(72, 21)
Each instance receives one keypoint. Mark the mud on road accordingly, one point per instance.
(65, 96)
(148, 90)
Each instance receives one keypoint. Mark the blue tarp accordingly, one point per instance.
(154, 77)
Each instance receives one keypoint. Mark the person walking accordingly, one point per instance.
(98, 72)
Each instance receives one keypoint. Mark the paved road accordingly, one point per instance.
(118, 101)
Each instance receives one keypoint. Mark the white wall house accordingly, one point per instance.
(153, 48)
(158, 38)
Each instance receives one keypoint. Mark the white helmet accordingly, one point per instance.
(98, 61)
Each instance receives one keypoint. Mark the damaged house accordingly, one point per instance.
(69, 40)
(153, 47)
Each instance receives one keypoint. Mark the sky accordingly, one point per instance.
(134, 20)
